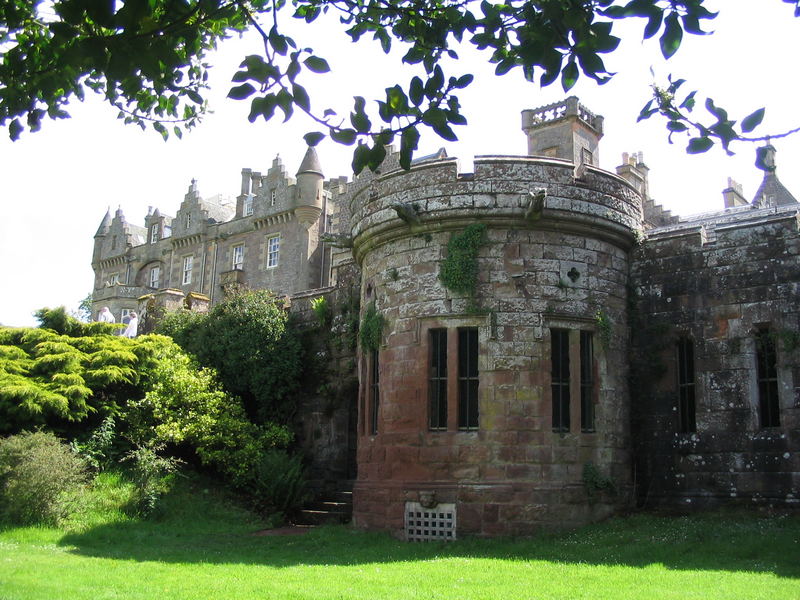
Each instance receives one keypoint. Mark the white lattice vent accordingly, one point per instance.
(430, 524)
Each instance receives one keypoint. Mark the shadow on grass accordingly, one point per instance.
(198, 528)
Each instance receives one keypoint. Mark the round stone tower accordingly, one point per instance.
(503, 408)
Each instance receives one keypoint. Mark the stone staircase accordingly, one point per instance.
(328, 508)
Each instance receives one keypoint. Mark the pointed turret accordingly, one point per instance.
(309, 189)
(771, 192)
(310, 163)
(105, 224)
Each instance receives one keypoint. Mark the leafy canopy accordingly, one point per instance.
(147, 58)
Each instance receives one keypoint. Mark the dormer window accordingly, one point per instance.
(247, 209)
(154, 233)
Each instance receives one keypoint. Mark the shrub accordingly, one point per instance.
(256, 352)
(182, 326)
(149, 471)
(278, 482)
(38, 474)
(51, 379)
(185, 405)
(98, 450)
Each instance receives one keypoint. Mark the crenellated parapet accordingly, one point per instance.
(499, 193)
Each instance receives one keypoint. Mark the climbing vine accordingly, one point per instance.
(459, 271)
(371, 328)
(603, 327)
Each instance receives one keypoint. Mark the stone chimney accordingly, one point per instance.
(733, 194)
(634, 171)
(564, 130)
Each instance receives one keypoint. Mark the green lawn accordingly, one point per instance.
(202, 547)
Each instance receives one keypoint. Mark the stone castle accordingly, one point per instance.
(609, 353)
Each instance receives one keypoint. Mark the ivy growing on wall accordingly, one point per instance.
(371, 328)
(459, 271)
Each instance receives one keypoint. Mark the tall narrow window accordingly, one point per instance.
(468, 378)
(188, 220)
(155, 275)
(273, 195)
(559, 375)
(686, 389)
(273, 250)
(247, 209)
(587, 381)
(238, 257)
(153, 233)
(374, 393)
(437, 379)
(766, 357)
(188, 262)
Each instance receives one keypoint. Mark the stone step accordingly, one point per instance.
(322, 517)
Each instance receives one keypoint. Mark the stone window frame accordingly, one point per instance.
(114, 278)
(154, 281)
(588, 381)
(437, 377)
(574, 325)
(237, 257)
(248, 205)
(687, 388)
(273, 253)
(768, 406)
(465, 376)
(374, 391)
(188, 267)
(187, 221)
(273, 196)
(452, 323)
(154, 233)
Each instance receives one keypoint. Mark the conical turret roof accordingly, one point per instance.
(310, 163)
(771, 192)
(105, 224)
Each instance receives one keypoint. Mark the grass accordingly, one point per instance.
(202, 547)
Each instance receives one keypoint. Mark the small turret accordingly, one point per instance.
(771, 192)
(105, 225)
(564, 130)
(309, 189)
(99, 237)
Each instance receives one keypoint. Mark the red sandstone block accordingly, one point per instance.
(492, 472)
(531, 472)
(428, 454)
(473, 454)
(491, 513)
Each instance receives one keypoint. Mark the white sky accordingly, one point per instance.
(55, 185)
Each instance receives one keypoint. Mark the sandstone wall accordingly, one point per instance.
(718, 282)
(561, 268)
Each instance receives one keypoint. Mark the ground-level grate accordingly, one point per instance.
(430, 524)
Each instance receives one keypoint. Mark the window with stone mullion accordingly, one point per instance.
(437, 380)
(559, 376)
(587, 382)
(686, 387)
(468, 378)
(766, 358)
